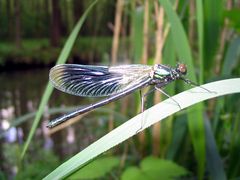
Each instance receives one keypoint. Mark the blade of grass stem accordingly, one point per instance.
(212, 23)
(179, 129)
(230, 61)
(169, 57)
(214, 162)
(199, 7)
(137, 34)
(151, 116)
(49, 88)
(196, 127)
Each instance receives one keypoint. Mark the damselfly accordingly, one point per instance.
(113, 82)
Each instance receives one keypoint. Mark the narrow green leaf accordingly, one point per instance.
(234, 166)
(137, 33)
(179, 37)
(179, 132)
(44, 100)
(49, 88)
(213, 11)
(232, 57)
(199, 7)
(195, 121)
(150, 116)
(169, 57)
(214, 162)
(230, 62)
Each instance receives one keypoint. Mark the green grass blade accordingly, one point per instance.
(169, 57)
(213, 12)
(137, 34)
(195, 120)
(232, 57)
(179, 37)
(230, 62)
(234, 166)
(179, 129)
(199, 7)
(49, 88)
(150, 116)
(214, 163)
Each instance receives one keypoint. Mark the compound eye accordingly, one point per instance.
(182, 68)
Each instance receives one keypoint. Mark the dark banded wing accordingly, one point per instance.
(97, 81)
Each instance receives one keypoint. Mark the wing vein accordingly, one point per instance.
(97, 81)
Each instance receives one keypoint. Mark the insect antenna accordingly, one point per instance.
(188, 81)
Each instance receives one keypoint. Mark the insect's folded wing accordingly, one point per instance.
(97, 81)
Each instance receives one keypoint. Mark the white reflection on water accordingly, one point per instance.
(70, 135)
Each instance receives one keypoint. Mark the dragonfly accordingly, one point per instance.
(112, 82)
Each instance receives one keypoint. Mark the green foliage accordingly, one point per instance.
(38, 166)
(151, 116)
(96, 169)
(176, 147)
(137, 33)
(36, 18)
(11, 154)
(213, 18)
(232, 57)
(234, 147)
(40, 52)
(222, 133)
(231, 61)
(183, 52)
(154, 168)
(214, 163)
(200, 30)
(233, 15)
(2, 176)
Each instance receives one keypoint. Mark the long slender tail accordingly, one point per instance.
(103, 102)
(71, 115)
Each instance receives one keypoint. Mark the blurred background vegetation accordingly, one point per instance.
(202, 142)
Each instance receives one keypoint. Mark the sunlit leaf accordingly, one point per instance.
(154, 168)
(150, 116)
(96, 169)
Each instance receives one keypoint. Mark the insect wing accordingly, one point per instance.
(97, 81)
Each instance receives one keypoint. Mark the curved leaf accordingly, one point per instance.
(150, 116)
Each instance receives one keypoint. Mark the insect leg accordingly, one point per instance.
(142, 96)
(142, 110)
(142, 100)
(159, 89)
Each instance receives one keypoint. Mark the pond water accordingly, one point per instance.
(20, 94)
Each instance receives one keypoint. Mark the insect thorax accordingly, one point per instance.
(161, 72)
